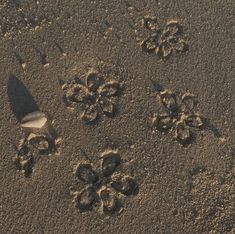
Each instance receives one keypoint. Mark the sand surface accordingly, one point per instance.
(172, 185)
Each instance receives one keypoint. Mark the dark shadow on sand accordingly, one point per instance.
(209, 126)
(21, 100)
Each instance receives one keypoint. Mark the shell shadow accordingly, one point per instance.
(21, 100)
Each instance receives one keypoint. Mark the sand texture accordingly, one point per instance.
(117, 116)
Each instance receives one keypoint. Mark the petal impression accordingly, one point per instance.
(27, 166)
(40, 142)
(165, 50)
(126, 185)
(194, 121)
(173, 28)
(90, 114)
(189, 102)
(110, 202)
(150, 44)
(110, 161)
(92, 81)
(79, 93)
(150, 23)
(183, 133)
(108, 107)
(23, 148)
(168, 99)
(162, 122)
(110, 89)
(85, 173)
(181, 46)
(86, 198)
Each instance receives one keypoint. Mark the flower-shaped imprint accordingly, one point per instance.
(31, 148)
(163, 41)
(103, 186)
(94, 95)
(180, 114)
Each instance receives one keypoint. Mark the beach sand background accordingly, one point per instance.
(181, 189)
